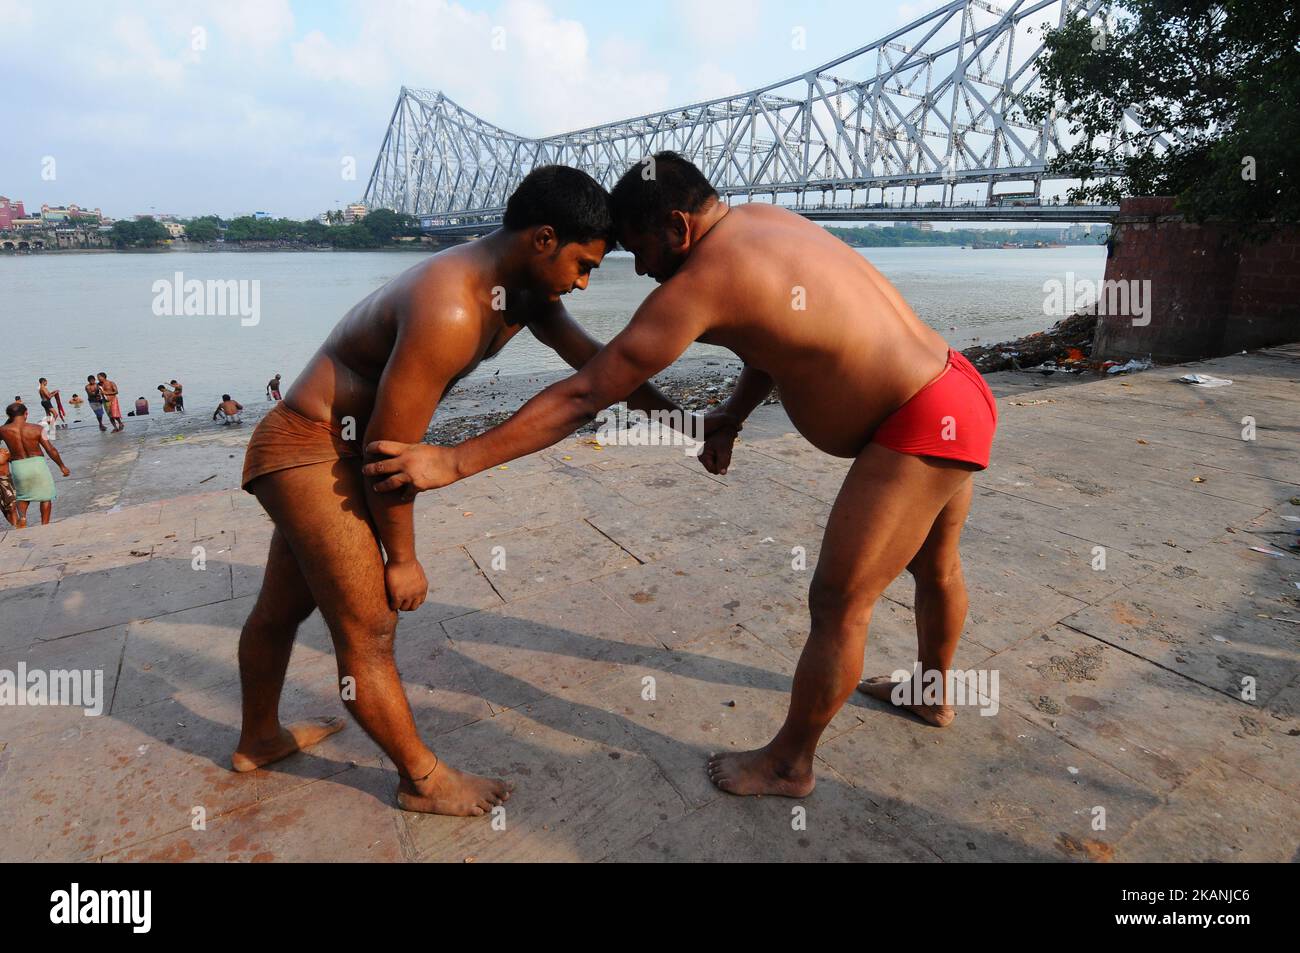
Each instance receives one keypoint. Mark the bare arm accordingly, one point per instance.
(432, 347)
(751, 390)
(53, 454)
(663, 327)
(555, 327)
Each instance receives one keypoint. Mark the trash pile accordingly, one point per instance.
(1066, 346)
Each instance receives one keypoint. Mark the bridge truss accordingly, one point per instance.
(923, 123)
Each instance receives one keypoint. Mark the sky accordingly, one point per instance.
(230, 107)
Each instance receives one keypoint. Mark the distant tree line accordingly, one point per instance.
(143, 232)
(911, 235)
(379, 228)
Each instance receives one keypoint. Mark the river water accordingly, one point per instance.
(67, 315)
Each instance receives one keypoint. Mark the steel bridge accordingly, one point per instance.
(924, 123)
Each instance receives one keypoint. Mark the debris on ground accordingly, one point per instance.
(1135, 364)
(1204, 380)
(1065, 346)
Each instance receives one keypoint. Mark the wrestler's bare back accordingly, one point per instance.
(450, 293)
(24, 440)
(794, 301)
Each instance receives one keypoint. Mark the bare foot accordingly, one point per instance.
(452, 792)
(294, 737)
(882, 687)
(757, 772)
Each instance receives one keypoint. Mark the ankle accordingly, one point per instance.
(790, 765)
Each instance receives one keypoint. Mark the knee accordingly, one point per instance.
(833, 605)
(365, 634)
(937, 572)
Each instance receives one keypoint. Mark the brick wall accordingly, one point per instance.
(1210, 294)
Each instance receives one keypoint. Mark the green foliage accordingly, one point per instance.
(380, 228)
(144, 232)
(206, 228)
(911, 235)
(1219, 80)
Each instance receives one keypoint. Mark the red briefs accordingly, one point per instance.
(953, 417)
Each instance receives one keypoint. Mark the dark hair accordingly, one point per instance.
(568, 200)
(15, 410)
(160, 387)
(656, 186)
(42, 380)
(90, 377)
(103, 373)
(172, 381)
(225, 397)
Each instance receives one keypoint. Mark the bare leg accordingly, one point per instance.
(880, 520)
(264, 649)
(940, 609)
(21, 523)
(47, 508)
(321, 510)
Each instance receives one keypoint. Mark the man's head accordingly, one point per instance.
(562, 218)
(42, 380)
(90, 379)
(16, 411)
(173, 383)
(653, 206)
(103, 375)
(160, 387)
(225, 397)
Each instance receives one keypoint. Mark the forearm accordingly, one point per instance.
(647, 398)
(394, 523)
(751, 390)
(546, 419)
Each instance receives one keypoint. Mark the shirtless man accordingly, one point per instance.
(350, 552)
(228, 410)
(178, 396)
(48, 397)
(95, 397)
(860, 376)
(28, 446)
(112, 406)
(273, 388)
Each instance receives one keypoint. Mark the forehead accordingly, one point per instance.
(594, 250)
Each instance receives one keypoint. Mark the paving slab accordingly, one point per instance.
(648, 612)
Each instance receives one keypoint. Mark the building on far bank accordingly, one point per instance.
(261, 215)
(354, 212)
(56, 214)
(10, 211)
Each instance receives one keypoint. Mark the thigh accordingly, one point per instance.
(321, 511)
(881, 518)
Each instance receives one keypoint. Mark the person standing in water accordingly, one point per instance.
(95, 397)
(112, 406)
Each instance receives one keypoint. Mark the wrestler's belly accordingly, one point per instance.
(831, 412)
